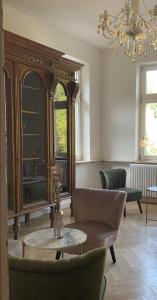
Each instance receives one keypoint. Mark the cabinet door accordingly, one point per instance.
(9, 75)
(61, 143)
(34, 141)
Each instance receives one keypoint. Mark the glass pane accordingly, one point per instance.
(151, 129)
(33, 80)
(60, 93)
(60, 125)
(151, 82)
(61, 165)
(9, 150)
(60, 135)
(33, 137)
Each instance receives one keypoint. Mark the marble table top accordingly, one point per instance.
(44, 239)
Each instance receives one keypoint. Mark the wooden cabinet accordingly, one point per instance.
(40, 94)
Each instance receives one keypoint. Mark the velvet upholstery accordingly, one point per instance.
(78, 278)
(98, 213)
(115, 179)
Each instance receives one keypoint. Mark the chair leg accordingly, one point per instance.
(125, 211)
(139, 205)
(113, 254)
(58, 254)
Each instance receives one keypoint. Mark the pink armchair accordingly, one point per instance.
(98, 213)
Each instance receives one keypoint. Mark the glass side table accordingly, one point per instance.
(44, 239)
(150, 189)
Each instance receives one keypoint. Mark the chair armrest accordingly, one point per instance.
(99, 205)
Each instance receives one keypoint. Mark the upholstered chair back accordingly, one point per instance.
(99, 205)
(78, 278)
(113, 179)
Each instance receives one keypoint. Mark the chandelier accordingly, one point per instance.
(134, 28)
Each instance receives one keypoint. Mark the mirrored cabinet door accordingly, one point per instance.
(33, 128)
(61, 135)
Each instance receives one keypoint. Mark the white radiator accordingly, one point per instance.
(143, 176)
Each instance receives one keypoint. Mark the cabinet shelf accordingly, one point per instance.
(31, 134)
(31, 158)
(31, 88)
(30, 180)
(31, 112)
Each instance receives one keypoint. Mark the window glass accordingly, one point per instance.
(60, 116)
(150, 148)
(148, 136)
(61, 135)
(60, 93)
(151, 82)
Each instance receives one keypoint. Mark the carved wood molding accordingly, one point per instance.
(26, 51)
(42, 61)
(73, 89)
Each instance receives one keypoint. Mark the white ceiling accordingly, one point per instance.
(78, 18)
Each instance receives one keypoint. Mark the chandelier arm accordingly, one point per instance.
(109, 38)
(146, 24)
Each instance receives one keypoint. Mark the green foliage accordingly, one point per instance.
(61, 126)
(60, 93)
(61, 120)
(153, 106)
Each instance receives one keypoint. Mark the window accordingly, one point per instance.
(78, 120)
(148, 141)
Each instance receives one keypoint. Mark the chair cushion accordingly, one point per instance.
(98, 235)
(132, 194)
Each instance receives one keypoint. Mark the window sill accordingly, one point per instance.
(145, 161)
(79, 162)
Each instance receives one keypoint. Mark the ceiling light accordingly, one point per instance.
(134, 28)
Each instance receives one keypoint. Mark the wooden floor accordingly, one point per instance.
(134, 276)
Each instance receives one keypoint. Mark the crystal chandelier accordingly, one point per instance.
(134, 28)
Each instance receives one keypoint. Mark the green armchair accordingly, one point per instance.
(77, 278)
(115, 179)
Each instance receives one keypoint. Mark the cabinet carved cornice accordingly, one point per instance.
(40, 95)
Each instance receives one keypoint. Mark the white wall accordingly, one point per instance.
(120, 106)
(87, 175)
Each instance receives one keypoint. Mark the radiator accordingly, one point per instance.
(143, 176)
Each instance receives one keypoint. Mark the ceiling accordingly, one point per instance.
(78, 18)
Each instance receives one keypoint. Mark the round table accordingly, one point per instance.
(150, 189)
(44, 239)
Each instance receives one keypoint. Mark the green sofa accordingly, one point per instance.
(77, 278)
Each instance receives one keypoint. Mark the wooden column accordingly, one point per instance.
(3, 184)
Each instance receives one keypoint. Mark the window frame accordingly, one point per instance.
(78, 120)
